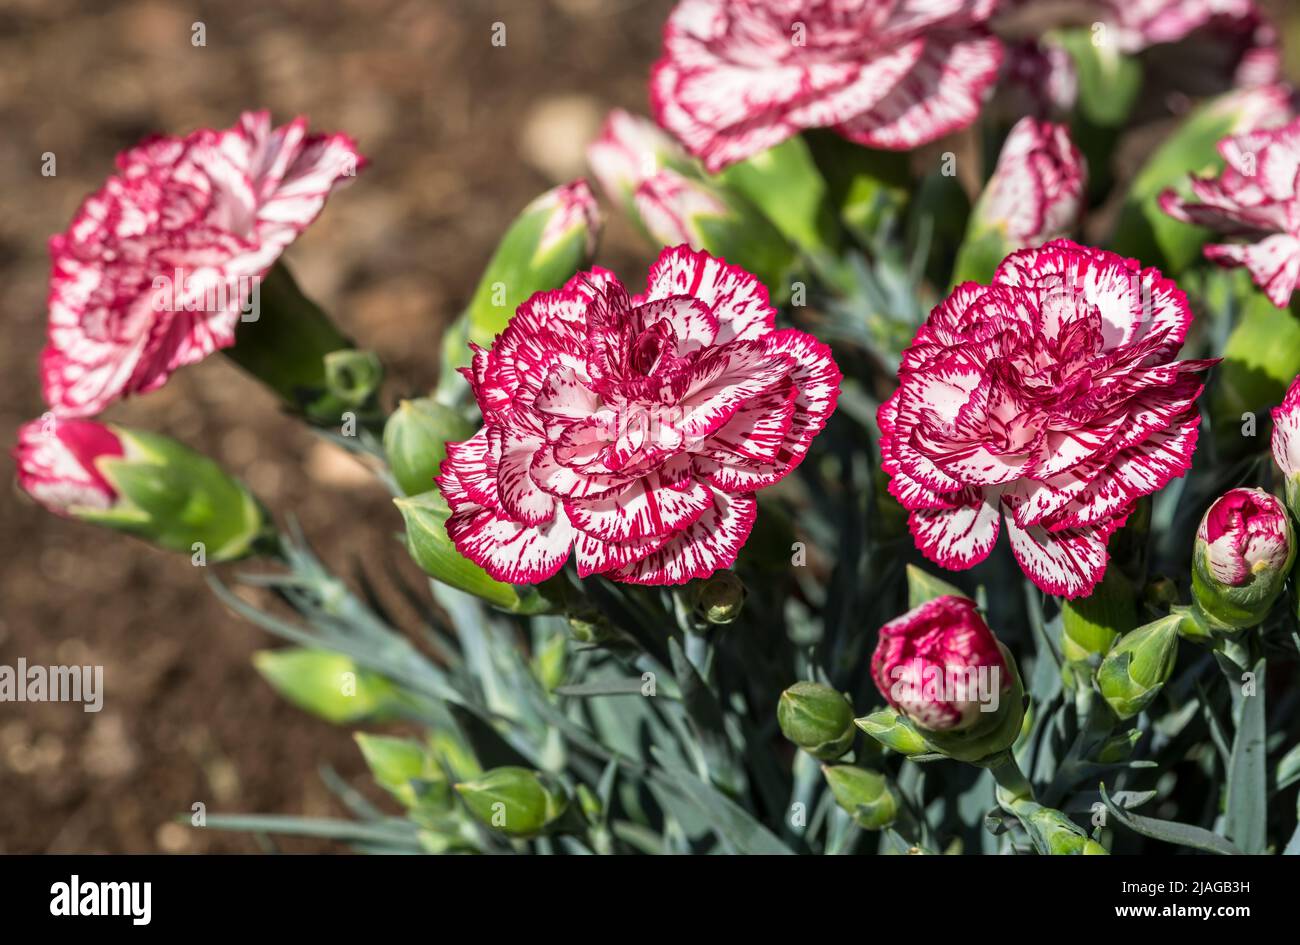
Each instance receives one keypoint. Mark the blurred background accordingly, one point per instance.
(461, 135)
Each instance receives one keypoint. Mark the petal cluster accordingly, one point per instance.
(1246, 531)
(56, 463)
(1036, 191)
(739, 76)
(924, 660)
(156, 266)
(633, 431)
(1050, 400)
(1256, 197)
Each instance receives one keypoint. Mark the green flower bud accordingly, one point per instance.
(1245, 547)
(1059, 835)
(416, 438)
(864, 794)
(327, 684)
(176, 498)
(817, 719)
(552, 238)
(894, 732)
(719, 599)
(1138, 665)
(515, 801)
(406, 769)
(427, 542)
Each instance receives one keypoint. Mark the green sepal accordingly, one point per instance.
(427, 542)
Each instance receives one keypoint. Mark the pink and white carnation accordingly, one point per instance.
(927, 661)
(56, 463)
(1050, 400)
(1257, 198)
(1036, 191)
(156, 267)
(740, 76)
(633, 431)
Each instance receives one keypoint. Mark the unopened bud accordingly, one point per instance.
(817, 719)
(864, 794)
(719, 599)
(1245, 547)
(1136, 668)
(515, 801)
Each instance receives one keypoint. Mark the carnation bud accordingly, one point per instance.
(1059, 835)
(407, 770)
(140, 483)
(941, 667)
(327, 684)
(817, 719)
(415, 441)
(864, 794)
(1245, 547)
(553, 237)
(676, 209)
(516, 801)
(1035, 195)
(720, 599)
(431, 548)
(894, 732)
(1136, 668)
(628, 150)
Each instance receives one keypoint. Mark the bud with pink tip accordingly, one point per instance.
(140, 483)
(941, 667)
(1245, 547)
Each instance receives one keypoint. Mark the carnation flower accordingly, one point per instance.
(739, 76)
(157, 265)
(1036, 191)
(1051, 399)
(56, 463)
(633, 431)
(928, 664)
(1256, 198)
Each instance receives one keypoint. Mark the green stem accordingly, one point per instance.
(1012, 783)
